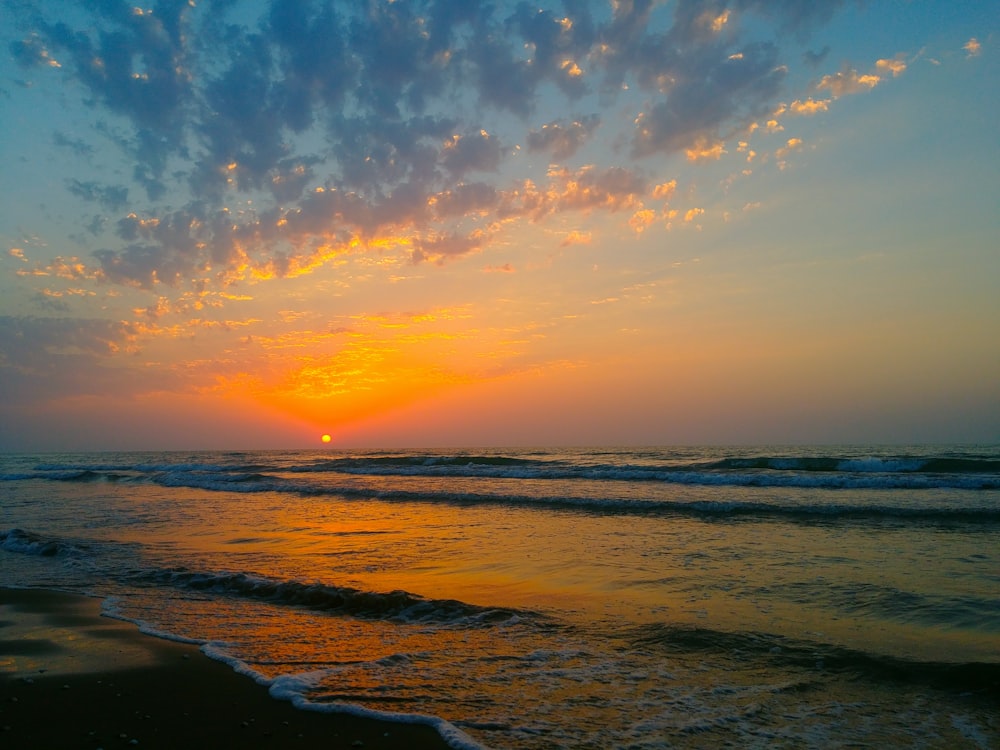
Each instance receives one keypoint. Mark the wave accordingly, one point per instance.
(896, 508)
(762, 471)
(889, 603)
(422, 461)
(175, 476)
(70, 474)
(982, 678)
(28, 543)
(295, 687)
(399, 606)
(984, 513)
(863, 464)
(847, 471)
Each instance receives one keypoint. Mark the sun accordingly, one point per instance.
(326, 438)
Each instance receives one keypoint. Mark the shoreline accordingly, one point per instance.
(71, 677)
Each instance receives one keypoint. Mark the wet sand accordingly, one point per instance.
(70, 678)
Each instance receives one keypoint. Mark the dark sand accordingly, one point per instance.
(70, 678)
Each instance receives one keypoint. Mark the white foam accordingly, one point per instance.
(109, 608)
(292, 687)
(451, 734)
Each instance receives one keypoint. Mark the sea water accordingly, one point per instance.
(584, 598)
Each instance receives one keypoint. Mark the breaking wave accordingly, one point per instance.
(400, 606)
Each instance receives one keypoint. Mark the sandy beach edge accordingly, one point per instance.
(70, 677)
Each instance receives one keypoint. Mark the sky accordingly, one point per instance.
(242, 225)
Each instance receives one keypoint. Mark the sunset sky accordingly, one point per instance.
(458, 223)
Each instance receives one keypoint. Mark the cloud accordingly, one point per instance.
(473, 152)
(642, 219)
(264, 142)
(31, 53)
(135, 65)
(612, 189)
(77, 146)
(503, 80)
(563, 139)
(973, 47)
(112, 197)
(792, 15)
(452, 245)
(792, 144)
(576, 237)
(815, 59)
(505, 268)
(464, 200)
(33, 341)
(895, 66)
(665, 190)
(847, 81)
(59, 355)
(809, 106)
(709, 96)
(72, 268)
(702, 151)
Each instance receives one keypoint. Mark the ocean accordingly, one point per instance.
(555, 598)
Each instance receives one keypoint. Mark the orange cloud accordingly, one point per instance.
(665, 191)
(847, 81)
(702, 151)
(576, 238)
(791, 144)
(68, 293)
(642, 219)
(809, 106)
(65, 268)
(895, 66)
(586, 188)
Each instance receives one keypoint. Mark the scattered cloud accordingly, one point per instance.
(576, 237)
(792, 144)
(235, 144)
(112, 197)
(665, 190)
(896, 66)
(705, 152)
(563, 139)
(642, 219)
(809, 106)
(341, 125)
(847, 81)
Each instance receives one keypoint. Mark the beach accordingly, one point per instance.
(72, 678)
(518, 599)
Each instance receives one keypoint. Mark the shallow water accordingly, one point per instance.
(557, 598)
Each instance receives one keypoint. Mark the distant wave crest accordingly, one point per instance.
(394, 605)
(818, 472)
(982, 678)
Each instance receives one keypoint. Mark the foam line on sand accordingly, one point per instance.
(72, 678)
